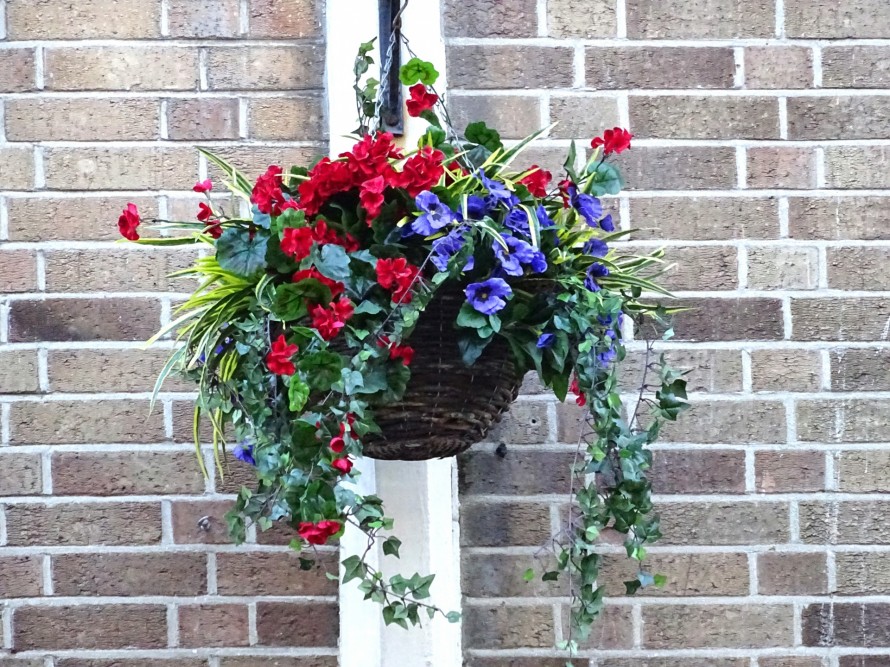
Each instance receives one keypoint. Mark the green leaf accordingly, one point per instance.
(237, 252)
(332, 262)
(606, 179)
(322, 369)
(480, 133)
(471, 318)
(471, 347)
(528, 575)
(550, 576)
(418, 71)
(291, 218)
(368, 307)
(453, 616)
(660, 580)
(391, 546)
(569, 164)
(297, 394)
(290, 298)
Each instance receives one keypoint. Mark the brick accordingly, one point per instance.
(524, 423)
(136, 269)
(126, 473)
(839, 217)
(698, 471)
(478, 18)
(792, 574)
(711, 319)
(789, 471)
(85, 19)
(687, 167)
(690, 268)
(16, 168)
(90, 627)
(146, 662)
(872, 268)
(786, 370)
(81, 119)
(298, 118)
(498, 627)
(704, 218)
(216, 18)
(860, 370)
(475, 661)
(674, 662)
(93, 371)
(778, 67)
(129, 574)
(859, 117)
(84, 320)
(854, 420)
(35, 662)
(504, 524)
(614, 68)
(509, 67)
(298, 67)
(18, 271)
(717, 626)
(791, 661)
(248, 574)
(724, 523)
(202, 119)
(238, 474)
(688, 575)
(862, 573)
(82, 524)
(501, 575)
(100, 168)
(18, 372)
(582, 117)
(862, 471)
(20, 576)
(514, 116)
(779, 167)
(200, 521)
(121, 68)
(517, 473)
(297, 624)
(854, 522)
(285, 20)
(828, 19)
(846, 624)
(852, 167)
(850, 319)
(712, 371)
(700, 19)
(581, 18)
(79, 218)
(75, 422)
(613, 629)
(692, 117)
(253, 160)
(730, 422)
(17, 71)
(863, 660)
(856, 67)
(213, 625)
(783, 268)
(22, 474)
(280, 661)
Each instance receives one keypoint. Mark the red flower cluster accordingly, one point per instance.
(420, 100)
(537, 181)
(343, 466)
(420, 172)
(397, 275)
(613, 141)
(318, 533)
(279, 358)
(267, 194)
(333, 285)
(580, 398)
(128, 222)
(403, 352)
(329, 321)
(371, 196)
(297, 241)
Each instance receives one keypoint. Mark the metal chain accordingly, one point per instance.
(383, 87)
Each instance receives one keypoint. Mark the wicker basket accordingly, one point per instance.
(448, 406)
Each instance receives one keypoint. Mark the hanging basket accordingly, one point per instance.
(447, 406)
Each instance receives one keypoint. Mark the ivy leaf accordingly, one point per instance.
(553, 575)
(368, 307)
(237, 252)
(391, 546)
(480, 133)
(660, 580)
(672, 399)
(453, 616)
(631, 587)
(420, 588)
(290, 298)
(322, 369)
(297, 395)
(291, 218)
(528, 575)
(332, 262)
(418, 71)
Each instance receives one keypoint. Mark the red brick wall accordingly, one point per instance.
(760, 161)
(112, 546)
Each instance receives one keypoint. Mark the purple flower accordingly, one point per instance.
(447, 247)
(436, 214)
(546, 340)
(595, 271)
(490, 296)
(244, 453)
(518, 253)
(589, 207)
(517, 220)
(596, 248)
(544, 220)
(607, 357)
(497, 191)
(477, 207)
(606, 224)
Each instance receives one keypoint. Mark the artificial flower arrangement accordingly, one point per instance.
(388, 302)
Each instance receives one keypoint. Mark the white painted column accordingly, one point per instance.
(420, 496)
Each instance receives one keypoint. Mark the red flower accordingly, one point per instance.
(297, 242)
(325, 179)
(371, 157)
(204, 212)
(351, 244)
(329, 321)
(403, 352)
(128, 222)
(421, 100)
(267, 191)
(335, 287)
(203, 186)
(371, 196)
(580, 399)
(613, 141)
(338, 444)
(421, 171)
(537, 181)
(278, 360)
(343, 465)
(564, 186)
(318, 533)
(398, 275)
(215, 230)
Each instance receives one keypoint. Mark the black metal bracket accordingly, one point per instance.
(391, 117)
